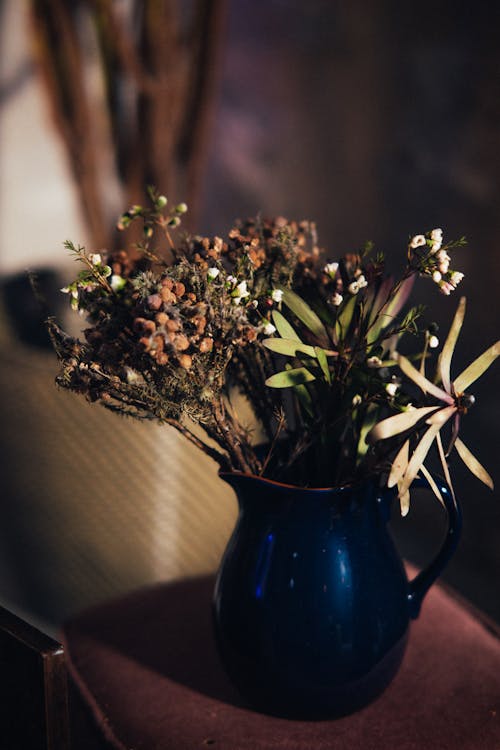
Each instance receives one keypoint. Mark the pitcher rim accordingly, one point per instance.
(285, 485)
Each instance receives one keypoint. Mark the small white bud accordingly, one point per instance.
(446, 287)
(392, 389)
(417, 241)
(456, 277)
(95, 258)
(242, 289)
(362, 282)
(433, 342)
(337, 299)
(436, 276)
(374, 362)
(277, 295)
(117, 282)
(181, 208)
(331, 269)
(356, 400)
(269, 329)
(353, 287)
(212, 273)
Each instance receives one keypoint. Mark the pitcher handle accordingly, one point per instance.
(420, 585)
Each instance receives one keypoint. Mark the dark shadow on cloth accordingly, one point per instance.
(167, 628)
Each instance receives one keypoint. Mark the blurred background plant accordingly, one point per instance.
(131, 88)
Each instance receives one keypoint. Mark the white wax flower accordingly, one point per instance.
(269, 329)
(95, 258)
(456, 277)
(277, 295)
(417, 241)
(242, 289)
(213, 272)
(117, 282)
(337, 299)
(362, 282)
(331, 269)
(353, 287)
(392, 389)
(433, 342)
(436, 276)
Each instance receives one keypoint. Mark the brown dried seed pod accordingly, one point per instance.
(201, 324)
(172, 326)
(185, 361)
(154, 301)
(191, 296)
(146, 343)
(181, 342)
(162, 358)
(159, 343)
(144, 325)
(167, 296)
(179, 288)
(167, 283)
(206, 345)
(161, 318)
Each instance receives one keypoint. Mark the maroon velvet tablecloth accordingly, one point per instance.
(146, 666)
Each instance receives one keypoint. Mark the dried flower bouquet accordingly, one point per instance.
(176, 328)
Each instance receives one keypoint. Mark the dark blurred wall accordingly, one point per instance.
(380, 120)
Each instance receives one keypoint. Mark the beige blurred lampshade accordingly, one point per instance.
(94, 504)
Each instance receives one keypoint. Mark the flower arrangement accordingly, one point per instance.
(177, 328)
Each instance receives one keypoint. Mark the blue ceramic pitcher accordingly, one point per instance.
(312, 603)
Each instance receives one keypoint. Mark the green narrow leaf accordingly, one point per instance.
(432, 484)
(369, 422)
(386, 315)
(345, 317)
(425, 384)
(404, 501)
(285, 330)
(418, 458)
(473, 464)
(304, 313)
(399, 465)
(305, 399)
(444, 464)
(476, 369)
(290, 378)
(444, 361)
(288, 347)
(323, 363)
(382, 294)
(398, 423)
(441, 416)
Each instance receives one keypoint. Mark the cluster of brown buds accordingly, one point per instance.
(177, 327)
